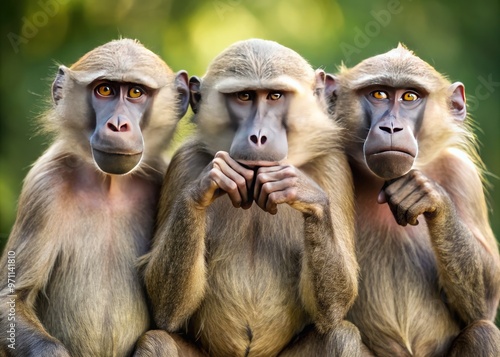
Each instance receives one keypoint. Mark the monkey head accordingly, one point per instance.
(254, 99)
(124, 99)
(390, 104)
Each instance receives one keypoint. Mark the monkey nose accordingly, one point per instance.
(390, 128)
(118, 124)
(259, 139)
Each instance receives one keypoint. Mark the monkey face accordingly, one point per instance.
(250, 119)
(394, 116)
(258, 117)
(117, 142)
(254, 101)
(110, 103)
(393, 103)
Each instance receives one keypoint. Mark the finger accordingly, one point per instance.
(423, 207)
(240, 181)
(391, 181)
(414, 205)
(404, 192)
(271, 174)
(413, 222)
(268, 188)
(248, 174)
(382, 196)
(395, 185)
(236, 166)
(269, 169)
(227, 185)
(265, 176)
(275, 198)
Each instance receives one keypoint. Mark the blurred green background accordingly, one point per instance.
(458, 38)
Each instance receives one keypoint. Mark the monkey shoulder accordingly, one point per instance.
(461, 160)
(459, 174)
(193, 153)
(187, 163)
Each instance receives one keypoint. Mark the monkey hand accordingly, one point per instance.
(224, 175)
(287, 184)
(412, 195)
(50, 348)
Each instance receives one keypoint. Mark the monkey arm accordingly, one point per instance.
(329, 269)
(32, 260)
(31, 339)
(175, 273)
(465, 247)
(456, 216)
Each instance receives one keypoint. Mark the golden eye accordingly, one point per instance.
(135, 92)
(274, 96)
(409, 97)
(244, 96)
(104, 90)
(379, 94)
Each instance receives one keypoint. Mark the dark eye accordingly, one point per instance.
(104, 90)
(410, 97)
(135, 92)
(379, 94)
(244, 96)
(274, 96)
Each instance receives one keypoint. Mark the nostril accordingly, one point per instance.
(390, 130)
(386, 129)
(112, 127)
(254, 139)
(118, 129)
(263, 140)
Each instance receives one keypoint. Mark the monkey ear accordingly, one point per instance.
(58, 84)
(457, 97)
(195, 97)
(181, 84)
(331, 85)
(326, 83)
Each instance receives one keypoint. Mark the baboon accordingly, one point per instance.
(253, 254)
(87, 207)
(429, 263)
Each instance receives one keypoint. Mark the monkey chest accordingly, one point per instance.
(252, 297)
(103, 296)
(399, 289)
(94, 281)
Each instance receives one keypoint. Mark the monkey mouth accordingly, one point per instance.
(390, 151)
(253, 164)
(395, 153)
(390, 164)
(116, 163)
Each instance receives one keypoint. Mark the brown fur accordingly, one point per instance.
(421, 285)
(244, 282)
(79, 231)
